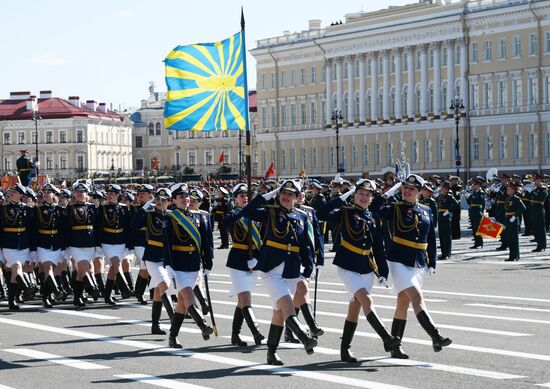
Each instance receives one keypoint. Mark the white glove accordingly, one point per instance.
(512, 219)
(251, 263)
(431, 271)
(393, 190)
(349, 193)
(382, 281)
(269, 195)
(445, 213)
(34, 256)
(206, 272)
(148, 204)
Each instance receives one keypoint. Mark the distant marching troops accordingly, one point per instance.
(58, 242)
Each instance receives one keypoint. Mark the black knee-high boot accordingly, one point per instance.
(202, 301)
(66, 281)
(273, 339)
(24, 286)
(90, 286)
(155, 318)
(238, 319)
(201, 323)
(397, 330)
(289, 336)
(390, 342)
(308, 342)
(347, 336)
(59, 282)
(168, 306)
(310, 320)
(427, 323)
(13, 290)
(139, 290)
(2, 286)
(125, 292)
(108, 290)
(129, 281)
(252, 323)
(77, 291)
(175, 329)
(100, 283)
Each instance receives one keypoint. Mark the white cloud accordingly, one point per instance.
(123, 14)
(49, 59)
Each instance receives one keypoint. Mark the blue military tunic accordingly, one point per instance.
(16, 226)
(181, 251)
(361, 249)
(314, 229)
(113, 224)
(136, 236)
(238, 228)
(153, 224)
(286, 239)
(413, 234)
(48, 227)
(79, 225)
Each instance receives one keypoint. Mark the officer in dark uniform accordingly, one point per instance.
(187, 250)
(546, 177)
(513, 208)
(152, 220)
(537, 198)
(242, 262)
(113, 232)
(500, 201)
(456, 189)
(221, 209)
(16, 226)
(411, 255)
(24, 167)
(48, 242)
(476, 201)
(62, 270)
(138, 240)
(359, 259)
(446, 204)
(286, 246)
(426, 198)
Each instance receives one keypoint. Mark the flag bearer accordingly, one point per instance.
(476, 201)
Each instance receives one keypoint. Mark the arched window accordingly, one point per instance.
(158, 128)
(151, 129)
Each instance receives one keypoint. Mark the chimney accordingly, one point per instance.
(74, 100)
(31, 103)
(102, 107)
(45, 94)
(314, 24)
(20, 95)
(91, 105)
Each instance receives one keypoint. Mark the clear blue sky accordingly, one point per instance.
(109, 50)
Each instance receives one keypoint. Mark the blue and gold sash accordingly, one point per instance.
(256, 238)
(188, 226)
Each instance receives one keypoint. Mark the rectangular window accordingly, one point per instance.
(414, 151)
(323, 72)
(313, 75)
(273, 117)
(292, 78)
(517, 96)
(273, 80)
(546, 89)
(518, 146)
(331, 155)
(191, 157)
(283, 159)
(502, 94)
(303, 115)
(7, 138)
(7, 163)
(283, 116)
(139, 142)
(49, 161)
(302, 76)
(377, 153)
(263, 112)
(533, 44)
(263, 158)
(20, 138)
(208, 156)
(389, 153)
(139, 164)
(487, 51)
(533, 91)
(62, 136)
(489, 148)
(313, 113)
(313, 157)
(502, 154)
(502, 48)
(547, 144)
(441, 150)
(293, 158)
(474, 96)
(487, 94)
(516, 46)
(263, 82)
(353, 155)
(33, 138)
(365, 155)
(547, 42)
(293, 120)
(303, 158)
(532, 146)
(79, 136)
(63, 161)
(49, 136)
(431, 58)
(475, 149)
(474, 52)
(427, 150)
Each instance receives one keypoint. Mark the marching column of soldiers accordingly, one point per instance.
(58, 242)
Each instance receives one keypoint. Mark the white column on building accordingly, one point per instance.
(339, 85)
(328, 82)
(362, 88)
(423, 80)
(374, 86)
(410, 82)
(450, 71)
(398, 85)
(437, 78)
(386, 84)
(463, 68)
(351, 93)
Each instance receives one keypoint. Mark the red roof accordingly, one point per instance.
(52, 108)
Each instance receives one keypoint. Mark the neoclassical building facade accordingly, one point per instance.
(392, 74)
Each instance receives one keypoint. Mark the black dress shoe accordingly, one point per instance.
(442, 257)
(533, 240)
(511, 259)
(501, 248)
(476, 247)
(538, 250)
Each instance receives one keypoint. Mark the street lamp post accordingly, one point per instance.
(457, 107)
(337, 119)
(35, 117)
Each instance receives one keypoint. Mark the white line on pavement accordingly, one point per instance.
(336, 379)
(509, 307)
(157, 381)
(546, 385)
(56, 359)
(5, 387)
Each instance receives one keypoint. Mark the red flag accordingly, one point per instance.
(222, 158)
(489, 228)
(155, 164)
(271, 171)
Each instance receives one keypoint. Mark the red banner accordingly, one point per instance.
(489, 228)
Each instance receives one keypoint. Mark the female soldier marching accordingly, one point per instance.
(410, 255)
(359, 257)
(241, 265)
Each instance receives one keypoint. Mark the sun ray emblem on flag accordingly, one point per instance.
(206, 86)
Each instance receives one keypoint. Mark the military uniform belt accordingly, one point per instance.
(48, 232)
(476, 205)
(155, 243)
(79, 228)
(240, 246)
(113, 230)
(509, 213)
(11, 229)
(501, 202)
(282, 246)
(24, 170)
(410, 243)
(184, 248)
(537, 202)
(443, 210)
(354, 249)
(143, 229)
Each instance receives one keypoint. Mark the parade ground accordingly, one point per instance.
(497, 314)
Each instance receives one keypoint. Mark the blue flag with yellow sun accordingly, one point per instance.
(207, 86)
